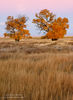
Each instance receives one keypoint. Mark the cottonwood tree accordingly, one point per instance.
(54, 28)
(43, 19)
(58, 28)
(16, 27)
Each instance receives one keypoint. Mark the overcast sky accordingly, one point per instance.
(62, 8)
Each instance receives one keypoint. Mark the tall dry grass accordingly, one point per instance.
(36, 76)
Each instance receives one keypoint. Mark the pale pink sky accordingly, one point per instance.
(33, 5)
(63, 8)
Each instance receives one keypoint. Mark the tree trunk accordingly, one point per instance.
(54, 39)
(17, 40)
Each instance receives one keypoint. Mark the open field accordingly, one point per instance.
(36, 69)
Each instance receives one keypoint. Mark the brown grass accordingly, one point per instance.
(36, 70)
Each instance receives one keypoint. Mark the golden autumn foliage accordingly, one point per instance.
(43, 19)
(54, 28)
(46, 21)
(58, 28)
(5, 34)
(16, 27)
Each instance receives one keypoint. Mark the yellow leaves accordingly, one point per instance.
(23, 19)
(50, 34)
(38, 20)
(24, 26)
(58, 28)
(65, 20)
(47, 16)
(26, 31)
(16, 27)
(44, 12)
(10, 18)
(5, 34)
(34, 20)
(49, 25)
(67, 26)
(59, 19)
(16, 20)
(45, 28)
(17, 38)
(43, 19)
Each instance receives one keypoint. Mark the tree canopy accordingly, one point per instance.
(54, 27)
(43, 19)
(16, 27)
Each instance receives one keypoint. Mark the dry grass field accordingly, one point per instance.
(36, 69)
